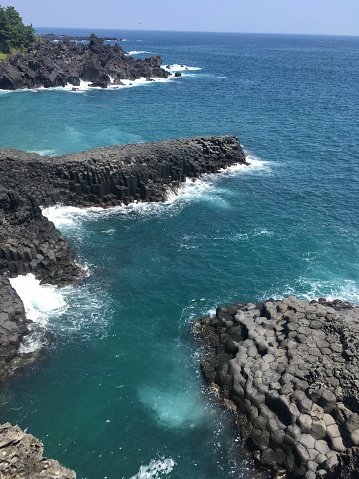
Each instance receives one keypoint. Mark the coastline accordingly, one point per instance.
(31, 243)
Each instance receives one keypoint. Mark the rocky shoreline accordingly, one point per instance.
(22, 457)
(29, 242)
(67, 62)
(289, 372)
(104, 177)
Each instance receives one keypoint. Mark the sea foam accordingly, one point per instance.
(138, 52)
(175, 67)
(40, 302)
(175, 409)
(204, 188)
(155, 469)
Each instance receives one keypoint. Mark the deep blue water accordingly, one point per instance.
(120, 385)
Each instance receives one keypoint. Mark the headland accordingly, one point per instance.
(68, 62)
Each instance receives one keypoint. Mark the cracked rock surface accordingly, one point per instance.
(290, 371)
(21, 457)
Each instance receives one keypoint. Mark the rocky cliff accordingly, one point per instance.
(68, 62)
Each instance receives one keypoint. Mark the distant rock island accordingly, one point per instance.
(49, 63)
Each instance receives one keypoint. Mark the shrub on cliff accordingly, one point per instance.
(14, 35)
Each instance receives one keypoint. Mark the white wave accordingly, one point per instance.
(203, 188)
(40, 302)
(173, 409)
(43, 152)
(85, 86)
(138, 52)
(63, 216)
(309, 289)
(173, 68)
(155, 469)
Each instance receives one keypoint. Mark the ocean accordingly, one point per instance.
(117, 392)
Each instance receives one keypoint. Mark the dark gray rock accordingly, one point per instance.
(57, 64)
(101, 177)
(297, 365)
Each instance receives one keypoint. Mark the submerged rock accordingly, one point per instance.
(291, 371)
(22, 457)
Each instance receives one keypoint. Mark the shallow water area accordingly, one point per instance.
(118, 392)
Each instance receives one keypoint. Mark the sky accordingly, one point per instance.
(332, 17)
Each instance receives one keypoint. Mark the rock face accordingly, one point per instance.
(55, 65)
(103, 177)
(22, 457)
(13, 327)
(290, 370)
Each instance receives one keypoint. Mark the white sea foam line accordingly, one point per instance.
(179, 68)
(155, 469)
(138, 52)
(309, 289)
(40, 301)
(190, 190)
(84, 86)
(43, 152)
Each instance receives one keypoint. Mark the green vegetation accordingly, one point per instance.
(14, 35)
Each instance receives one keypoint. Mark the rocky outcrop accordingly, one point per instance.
(117, 175)
(104, 177)
(290, 371)
(67, 62)
(30, 243)
(22, 457)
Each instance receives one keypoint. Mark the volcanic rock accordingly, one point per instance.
(291, 370)
(50, 64)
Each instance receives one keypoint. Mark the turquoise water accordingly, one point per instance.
(120, 386)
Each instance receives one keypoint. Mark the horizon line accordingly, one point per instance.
(204, 31)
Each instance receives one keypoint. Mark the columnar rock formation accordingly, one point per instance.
(290, 371)
(103, 177)
(13, 327)
(117, 175)
(67, 62)
(29, 242)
